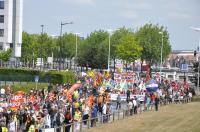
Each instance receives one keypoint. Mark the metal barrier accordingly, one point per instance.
(108, 118)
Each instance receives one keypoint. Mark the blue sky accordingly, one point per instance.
(90, 15)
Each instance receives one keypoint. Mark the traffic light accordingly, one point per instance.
(195, 66)
(195, 53)
(196, 81)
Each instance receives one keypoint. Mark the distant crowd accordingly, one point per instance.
(52, 108)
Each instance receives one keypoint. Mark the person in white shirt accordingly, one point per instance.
(104, 112)
(135, 105)
(130, 106)
(190, 95)
(86, 114)
(2, 91)
(47, 120)
(12, 126)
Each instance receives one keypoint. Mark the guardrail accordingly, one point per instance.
(109, 118)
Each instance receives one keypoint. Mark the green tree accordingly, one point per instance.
(29, 48)
(128, 49)
(116, 40)
(94, 50)
(36, 46)
(150, 39)
(5, 55)
(69, 46)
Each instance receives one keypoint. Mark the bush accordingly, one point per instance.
(60, 77)
(18, 75)
(28, 75)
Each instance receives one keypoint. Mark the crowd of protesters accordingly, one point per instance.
(51, 108)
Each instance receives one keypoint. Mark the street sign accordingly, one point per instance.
(39, 62)
(184, 67)
(36, 78)
(50, 60)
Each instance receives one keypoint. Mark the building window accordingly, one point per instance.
(1, 4)
(1, 18)
(1, 45)
(11, 45)
(1, 32)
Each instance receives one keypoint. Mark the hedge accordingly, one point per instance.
(28, 75)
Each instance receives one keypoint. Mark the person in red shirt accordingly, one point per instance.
(67, 121)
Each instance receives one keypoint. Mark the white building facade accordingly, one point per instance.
(11, 25)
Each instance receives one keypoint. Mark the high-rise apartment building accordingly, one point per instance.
(11, 25)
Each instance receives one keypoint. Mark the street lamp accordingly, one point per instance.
(197, 30)
(76, 47)
(76, 44)
(110, 31)
(42, 34)
(61, 44)
(161, 54)
(109, 36)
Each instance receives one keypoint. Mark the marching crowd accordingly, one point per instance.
(40, 109)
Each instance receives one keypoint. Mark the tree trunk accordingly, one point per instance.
(126, 66)
(86, 68)
(70, 64)
(141, 65)
(150, 63)
(114, 63)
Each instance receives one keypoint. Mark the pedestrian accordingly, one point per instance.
(104, 112)
(77, 118)
(93, 116)
(130, 106)
(118, 101)
(86, 114)
(135, 105)
(67, 121)
(156, 102)
(128, 93)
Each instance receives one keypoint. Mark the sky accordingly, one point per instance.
(90, 15)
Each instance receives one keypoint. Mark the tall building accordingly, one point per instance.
(11, 25)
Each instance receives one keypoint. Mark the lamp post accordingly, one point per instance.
(110, 31)
(109, 51)
(197, 30)
(61, 44)
(76, 48)
(161, 54)
(42, 34)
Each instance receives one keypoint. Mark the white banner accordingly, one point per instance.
(113, 97)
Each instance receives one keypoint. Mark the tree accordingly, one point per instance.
(5, 55)
(128, 49)
(29, 48)
(115, 41)
(36, 46)
(69, 46)
(150, 39)
(94, 50)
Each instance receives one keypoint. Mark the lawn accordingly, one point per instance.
(27, 86)
(171, 118)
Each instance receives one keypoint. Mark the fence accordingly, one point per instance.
(109, 118)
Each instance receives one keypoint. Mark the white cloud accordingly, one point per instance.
(138, 5)
(177, 16)
(81, 2)
(128, 14)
